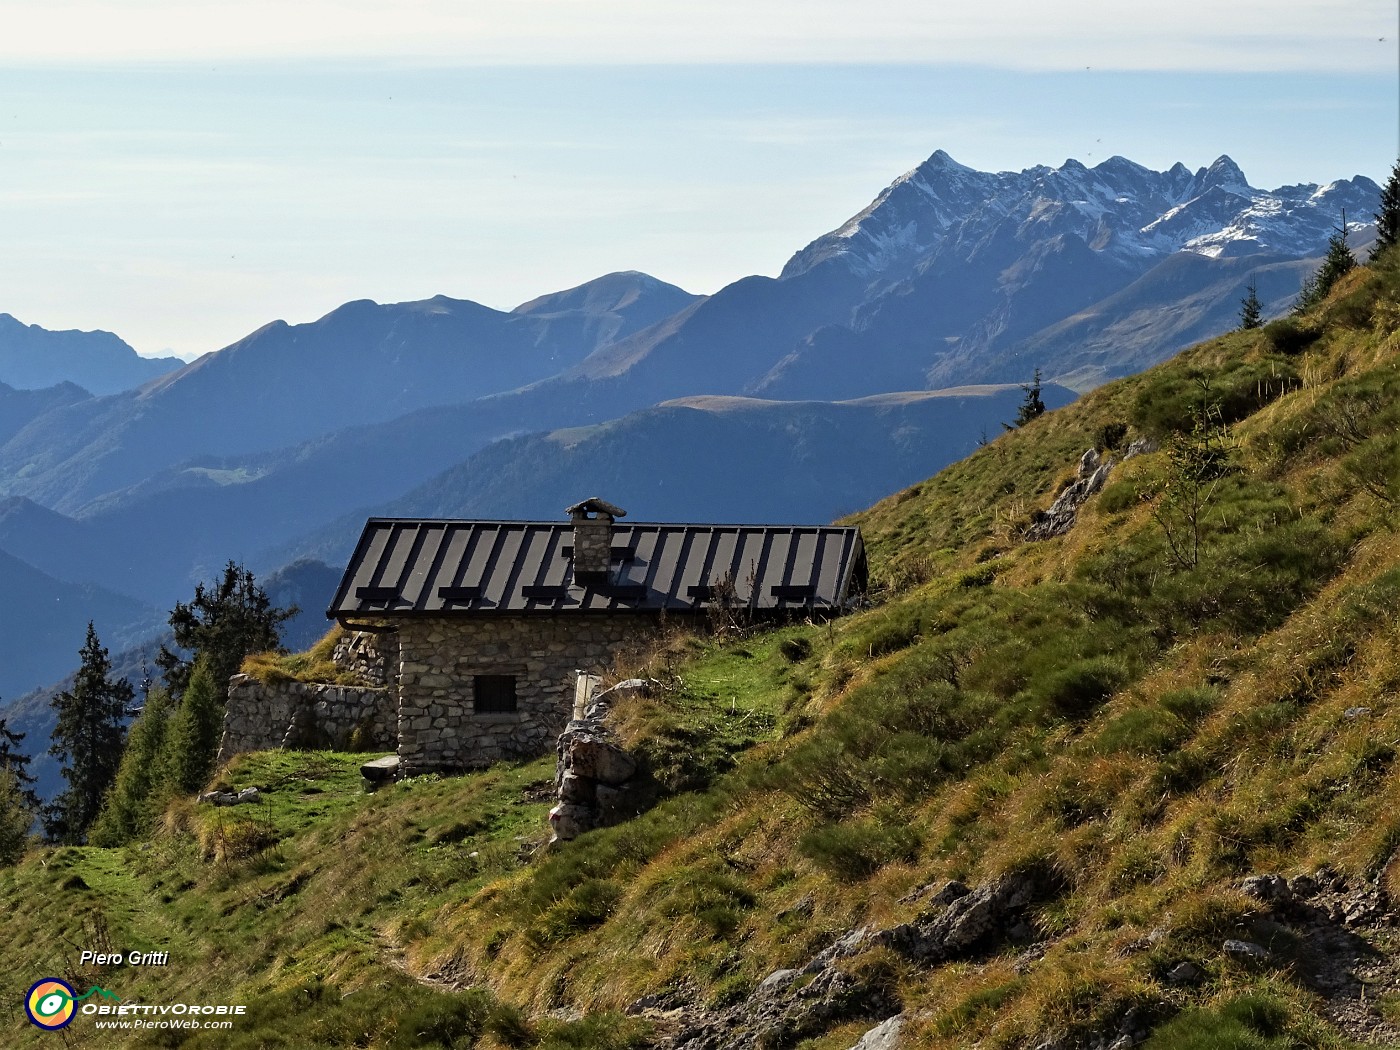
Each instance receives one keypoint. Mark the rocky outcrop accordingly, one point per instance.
(1092, 472)
(798, 1003)
(592, 777)
(231, 798)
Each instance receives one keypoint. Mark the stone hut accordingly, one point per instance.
(494, 620)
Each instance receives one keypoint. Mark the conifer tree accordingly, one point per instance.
(18, 763)
(1251, 309)
(1388, 218)
(1336, 264)
(130, 808)
(192, 741)
(16, 816)
(87, 741)
(1031, 405)
(224, 624)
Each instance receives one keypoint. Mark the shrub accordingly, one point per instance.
(856, 849)
(447, 1021)
(795, 650)
(1079, 689)
(587, 905)
(1289, 336)
(1110, 435)
(716, 899)
(1141, 731)
(1251, 1022)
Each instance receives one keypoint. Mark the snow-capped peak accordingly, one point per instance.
(1118, 207)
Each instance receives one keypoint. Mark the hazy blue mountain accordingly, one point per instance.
(44, 620)
(365, 363)
(32, 358)
(605, 310)
(708, 458)
(18, 406)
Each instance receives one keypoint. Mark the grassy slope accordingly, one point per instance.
(1148, 731)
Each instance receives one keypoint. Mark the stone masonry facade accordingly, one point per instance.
(442, 666)
(265, 716)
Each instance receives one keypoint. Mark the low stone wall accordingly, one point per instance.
(439, 727)
(371, 656)
(261, 717)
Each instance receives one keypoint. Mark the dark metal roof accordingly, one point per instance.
(418, 567)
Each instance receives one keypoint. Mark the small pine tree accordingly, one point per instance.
(130, 808)
(18, 763)
(1388, 218)
(87, 741)
(16, 817)
(192, 741)
(1031, 405)
(224, 624)
(1336, 264)
(1251, 309)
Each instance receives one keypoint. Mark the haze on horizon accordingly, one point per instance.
(181, 174)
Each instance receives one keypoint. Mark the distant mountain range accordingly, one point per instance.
(32, 358)
(795, 398)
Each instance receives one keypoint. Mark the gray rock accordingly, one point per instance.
(1020, 932)
(577, 789)
(1245, 950)
(951, 891)
(249, 794)
(776, 981)
(884, 1036)
(982, 914)
(1271, 889)
(610, 801)
(1304, 886)
(591, 754)
(1090, 477)
(1356, 712)
(1140, 447)
(569, 821)
(1184, 973)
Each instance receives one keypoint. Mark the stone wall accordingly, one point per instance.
(369, 655)
(261, 717)
(438, 726)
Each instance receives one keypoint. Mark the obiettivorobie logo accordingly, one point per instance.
(52, 1003)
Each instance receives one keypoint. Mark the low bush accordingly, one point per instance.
(856, 849)
(1289, 336)
(1250, 1022)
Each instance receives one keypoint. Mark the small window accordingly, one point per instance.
(494, 693)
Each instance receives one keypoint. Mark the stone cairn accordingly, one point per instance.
(591, 781)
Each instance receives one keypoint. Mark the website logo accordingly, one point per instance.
(52, 1003)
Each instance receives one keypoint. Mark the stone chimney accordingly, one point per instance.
(593, 521)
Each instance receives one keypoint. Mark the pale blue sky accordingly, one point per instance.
(182, 175)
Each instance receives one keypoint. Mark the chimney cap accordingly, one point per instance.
(594, 506)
